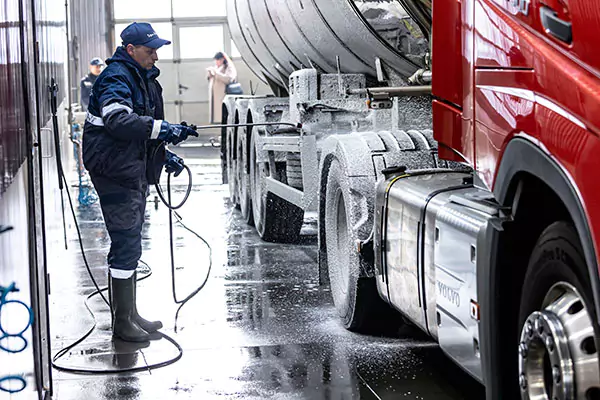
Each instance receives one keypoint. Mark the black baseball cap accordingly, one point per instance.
(97, 61)
(142, 33)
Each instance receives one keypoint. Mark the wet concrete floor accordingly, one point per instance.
(262, 328)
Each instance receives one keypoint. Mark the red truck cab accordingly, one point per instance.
(516, 88)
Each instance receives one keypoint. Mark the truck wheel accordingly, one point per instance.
(558, 349)
(244, 191)
(355, 298)
(276, 219)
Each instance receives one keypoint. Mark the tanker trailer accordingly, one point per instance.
(318, 57)
(506, 283)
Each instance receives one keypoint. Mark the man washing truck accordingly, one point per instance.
(124, 121)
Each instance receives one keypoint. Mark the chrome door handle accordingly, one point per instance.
(559, 28)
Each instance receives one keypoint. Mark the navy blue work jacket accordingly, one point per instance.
(125, 108)
(85, 87)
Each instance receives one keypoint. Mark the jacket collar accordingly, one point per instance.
(153, 73)
(122, 56)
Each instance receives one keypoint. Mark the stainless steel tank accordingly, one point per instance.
(277, 37)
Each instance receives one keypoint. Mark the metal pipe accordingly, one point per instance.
(421, 77)
(401, 91)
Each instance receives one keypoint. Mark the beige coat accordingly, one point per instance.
(223, 76)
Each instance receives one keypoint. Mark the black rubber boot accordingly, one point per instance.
(123, 306)
(148, 326)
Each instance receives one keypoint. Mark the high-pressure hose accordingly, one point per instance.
(172, 211)
(100, 291)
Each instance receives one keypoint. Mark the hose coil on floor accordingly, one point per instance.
(100, 291)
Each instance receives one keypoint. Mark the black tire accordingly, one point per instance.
(557, 257)
(224, 157)
(275, 219)
(232, 177)
(244, 190)
(356, 298)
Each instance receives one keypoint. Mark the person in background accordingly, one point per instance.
(219, 76)
(87, 82)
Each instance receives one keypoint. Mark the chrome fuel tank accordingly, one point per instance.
(277, 37)
(399, 244)
(428, 224)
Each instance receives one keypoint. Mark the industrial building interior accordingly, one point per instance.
(348, 227)
(262, 327)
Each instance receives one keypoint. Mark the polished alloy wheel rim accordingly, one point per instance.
(558, 359)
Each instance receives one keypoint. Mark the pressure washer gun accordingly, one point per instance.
(291, 127)
(192, 126)
(213, 126)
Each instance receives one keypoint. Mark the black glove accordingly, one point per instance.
(174, 133)
(174, 164)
